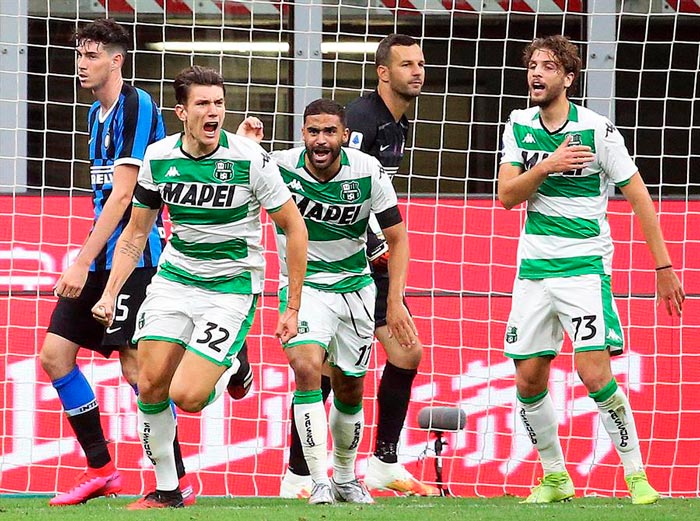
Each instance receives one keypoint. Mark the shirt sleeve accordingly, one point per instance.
(139, 119)
(266, 181)
(613, 155)
(509, 149)
(146, 194)
(383, 194)
(363, 128)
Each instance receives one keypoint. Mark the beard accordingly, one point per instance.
(333, 155)
(544, 101)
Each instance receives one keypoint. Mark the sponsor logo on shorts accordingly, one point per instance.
(303, 327)
(612, 335)
(511, 334)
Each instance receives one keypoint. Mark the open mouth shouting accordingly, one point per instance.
(210, 128)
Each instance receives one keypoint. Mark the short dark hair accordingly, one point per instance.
(564, 52)
(383, 54)
(105, 31)
(325, 106)
(195, 75)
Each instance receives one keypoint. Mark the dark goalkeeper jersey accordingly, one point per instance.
(120, 137)
(373, 130)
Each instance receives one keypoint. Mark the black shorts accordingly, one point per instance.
(381, 280)
(72, 318)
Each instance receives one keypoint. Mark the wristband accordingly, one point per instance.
(664, 267)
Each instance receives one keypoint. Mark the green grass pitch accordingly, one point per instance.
(386, 509)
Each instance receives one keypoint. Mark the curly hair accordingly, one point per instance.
(564, 52)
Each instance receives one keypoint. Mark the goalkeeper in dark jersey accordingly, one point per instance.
(379, 127)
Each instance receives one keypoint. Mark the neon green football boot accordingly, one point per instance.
(553, 488)
(641, 491)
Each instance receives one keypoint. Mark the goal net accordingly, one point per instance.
(641, 62)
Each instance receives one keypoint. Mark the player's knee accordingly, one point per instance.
(54, 364)
(594, 379)
(529, 384)
(188, 400)
(349, 389)
(152, 389)
(307, 373)
(406, 358)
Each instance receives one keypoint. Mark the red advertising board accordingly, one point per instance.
(462, 268)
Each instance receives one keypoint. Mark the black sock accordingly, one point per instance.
(88, 431)
(179, 464)
(394, 396)
(297, 463)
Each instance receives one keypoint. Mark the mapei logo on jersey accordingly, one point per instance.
(350, 191)
(355, 140)
(327, 213)
(204, 196)
(224, 171)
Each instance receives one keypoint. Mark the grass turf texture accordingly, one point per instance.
(390, 509)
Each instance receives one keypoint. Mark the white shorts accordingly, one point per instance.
(583, 306)
(213, 325)
(342, 323)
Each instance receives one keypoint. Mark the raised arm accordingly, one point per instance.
(252, 128)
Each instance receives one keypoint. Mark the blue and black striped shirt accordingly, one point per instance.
(120, 137)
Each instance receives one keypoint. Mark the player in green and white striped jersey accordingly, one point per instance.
(336, 189)
(561, 158)
(202, 301)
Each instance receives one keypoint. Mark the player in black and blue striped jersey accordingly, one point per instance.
(123, 121)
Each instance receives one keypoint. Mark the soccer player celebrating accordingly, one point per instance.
(561, 158)
(336, 190)
(202, 301)
(379, 127)
(122, 122)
